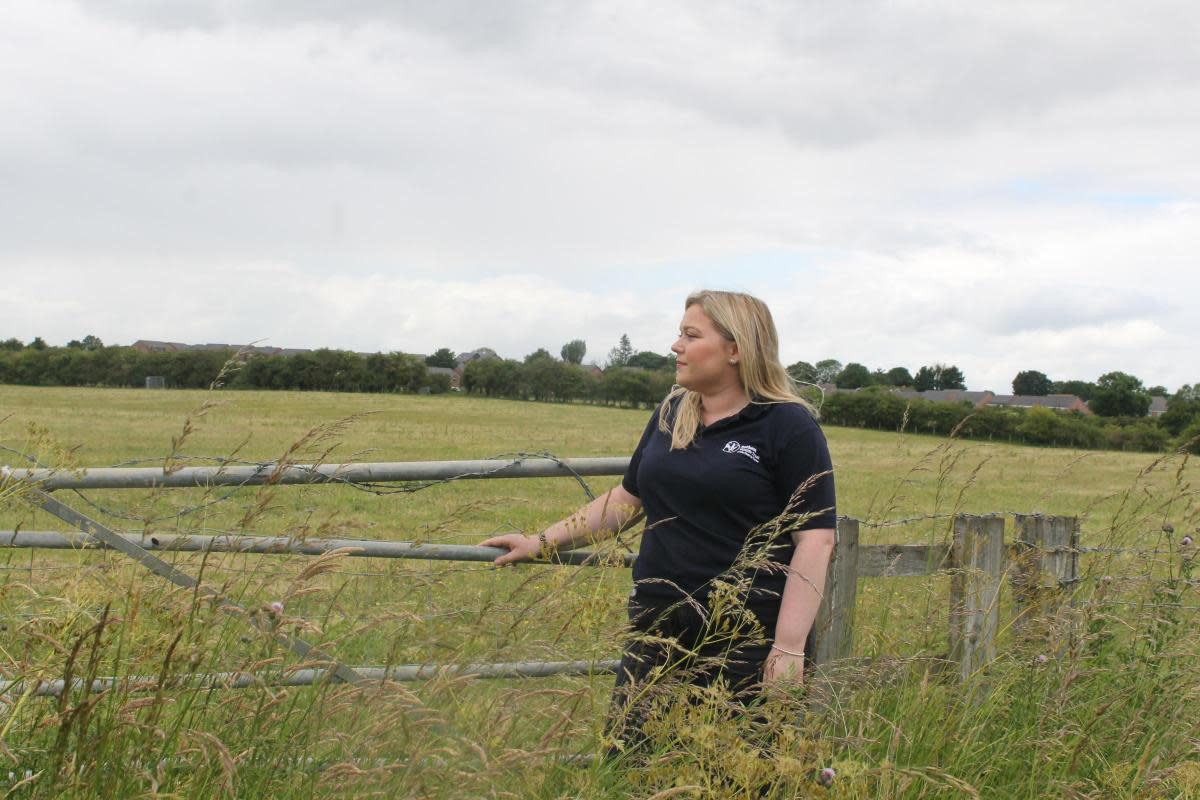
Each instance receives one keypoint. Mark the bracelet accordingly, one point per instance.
(787, 652)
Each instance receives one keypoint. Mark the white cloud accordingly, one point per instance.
(1004, 187)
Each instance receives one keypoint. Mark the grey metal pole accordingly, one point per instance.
(308, 677)
(284, 545)
(381, 472)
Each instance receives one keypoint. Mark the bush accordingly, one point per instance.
(937, 418)
(870, 408)
(878, 408)
(439, 383)
(1083, 431)
(1189, 440)
(992, 422)
(1180, 414)
(1130, 433)
(1040, 426)
(625, 385)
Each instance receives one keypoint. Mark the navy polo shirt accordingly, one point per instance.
(702, 501)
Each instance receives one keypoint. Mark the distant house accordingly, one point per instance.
(151, 346)
(948, 396)
(460, 366)
(475, 355)
(593, 369)
(1158, 406)
(1057, 402)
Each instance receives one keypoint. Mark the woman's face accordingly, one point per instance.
(702, 354)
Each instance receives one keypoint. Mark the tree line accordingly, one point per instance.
(637, 379)
(1113, 394)
(859, 376)
(880, 409)
(318, 370)
(544, 378)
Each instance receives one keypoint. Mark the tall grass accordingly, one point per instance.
(1096, 701)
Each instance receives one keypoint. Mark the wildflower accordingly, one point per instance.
(825, 778)
(1042, 659)
(1187, 541)
(275, 607)
(1168, 527)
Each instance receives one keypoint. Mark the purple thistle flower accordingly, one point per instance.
(1187, 541)
(825, 778)
(275, 607)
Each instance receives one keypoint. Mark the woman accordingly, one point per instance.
(734, 475)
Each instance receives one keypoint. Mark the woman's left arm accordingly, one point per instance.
(802, 595)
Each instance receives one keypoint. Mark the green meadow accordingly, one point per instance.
(1041, 722)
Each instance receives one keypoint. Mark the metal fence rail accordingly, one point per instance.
(285, 545)
(379, 472)
(311, 676)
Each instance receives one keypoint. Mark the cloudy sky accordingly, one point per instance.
(1002, 186)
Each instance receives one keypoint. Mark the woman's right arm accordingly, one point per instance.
(599, 519)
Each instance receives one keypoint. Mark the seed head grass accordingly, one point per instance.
(1094, 698)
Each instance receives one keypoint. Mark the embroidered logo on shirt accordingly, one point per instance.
(745, 449)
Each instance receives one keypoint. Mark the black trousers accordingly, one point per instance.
(672, 643)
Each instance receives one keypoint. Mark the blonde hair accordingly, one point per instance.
(746, 321)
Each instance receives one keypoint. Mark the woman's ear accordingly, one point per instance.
(732, 350)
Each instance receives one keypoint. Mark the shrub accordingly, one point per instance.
(937, 418)
(992, 422)
(1180, 414)
(1040, 426)
(1189, 440)
(1128, 433)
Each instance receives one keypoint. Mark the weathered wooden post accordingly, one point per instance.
(1046, 565)
(834, 625)
(977, 568)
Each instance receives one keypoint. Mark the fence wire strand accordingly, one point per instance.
(513, 458)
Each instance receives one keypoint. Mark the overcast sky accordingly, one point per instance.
(1001, 186)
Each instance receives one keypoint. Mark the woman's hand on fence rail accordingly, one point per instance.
(520, 548)
(783, 668)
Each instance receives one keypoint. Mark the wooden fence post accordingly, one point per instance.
(977, 567)
(834, 625)
(1047, 563)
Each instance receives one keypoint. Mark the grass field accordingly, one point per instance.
(455, 738)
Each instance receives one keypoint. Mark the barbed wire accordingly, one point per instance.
(514, 458)
(1162, 580)
(895, 523)
(1143, 604)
